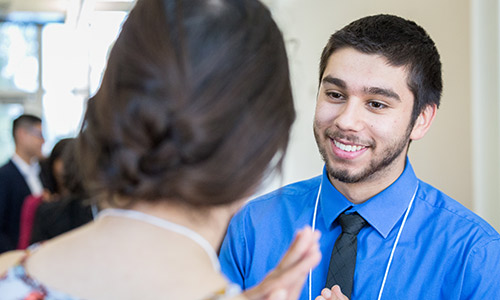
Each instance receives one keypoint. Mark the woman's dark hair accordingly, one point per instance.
(47, 175)
(194, 105)
(403, 43)
(72, 178)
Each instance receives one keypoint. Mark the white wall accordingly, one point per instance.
(444, 158)
(486, 108)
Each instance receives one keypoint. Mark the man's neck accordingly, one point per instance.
(25, 157)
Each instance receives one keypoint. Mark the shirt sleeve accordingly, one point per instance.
(482, 273)
(233, 252)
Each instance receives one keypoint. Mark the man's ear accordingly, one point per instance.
(423, 122)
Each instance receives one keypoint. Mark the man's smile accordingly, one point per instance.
(348, 148)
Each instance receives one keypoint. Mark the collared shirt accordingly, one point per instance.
(31, 173)
(444, 252)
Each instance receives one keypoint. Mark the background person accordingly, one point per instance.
(20, 177)
(53, 169)
(194, 109)
(379, 89)
(51, 173)
(71, 209)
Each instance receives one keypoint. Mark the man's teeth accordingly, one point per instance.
(347, 148)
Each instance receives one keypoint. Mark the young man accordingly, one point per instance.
(380, 87)
(19, 177)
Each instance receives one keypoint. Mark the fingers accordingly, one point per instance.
(280, 294)
(325, 295)
(304, 252)
(304, 239)
(286, 281)
(337, 293)
(303, 255)
(334, 294)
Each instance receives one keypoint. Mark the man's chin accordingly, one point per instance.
(344, 176)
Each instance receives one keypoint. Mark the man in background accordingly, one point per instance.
(20, 177)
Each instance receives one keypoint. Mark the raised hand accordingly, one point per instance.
(285, 282)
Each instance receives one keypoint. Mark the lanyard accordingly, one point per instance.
(389, 263)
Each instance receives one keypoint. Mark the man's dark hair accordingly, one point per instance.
(24, 121)
(403, 43)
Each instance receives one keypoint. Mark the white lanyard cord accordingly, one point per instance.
(389, 263)
(313, 228)
(396, 244)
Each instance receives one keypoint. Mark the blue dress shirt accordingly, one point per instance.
(444, 252)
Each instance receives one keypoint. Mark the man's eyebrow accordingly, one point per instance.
(368, 90)
(382, 92)
(336, 81)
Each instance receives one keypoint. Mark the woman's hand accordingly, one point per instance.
(285, 282)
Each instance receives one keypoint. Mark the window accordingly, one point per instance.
(18, 58)
(51, 70)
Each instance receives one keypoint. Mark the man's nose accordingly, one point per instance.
(350, 117)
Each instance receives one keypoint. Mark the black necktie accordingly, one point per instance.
(343, 260)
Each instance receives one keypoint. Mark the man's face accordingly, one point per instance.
(362, 119)
(30, 140)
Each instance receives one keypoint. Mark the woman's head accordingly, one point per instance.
(71, 175)
(52, 168)
(194, 104)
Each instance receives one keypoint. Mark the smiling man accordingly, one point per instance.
(385, 233)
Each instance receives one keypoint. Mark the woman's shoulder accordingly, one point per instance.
(16, 282)
(10, 259)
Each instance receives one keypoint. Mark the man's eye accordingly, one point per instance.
(334, 95)
(376, 105)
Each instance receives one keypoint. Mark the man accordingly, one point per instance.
(19, 177)
(380, 87)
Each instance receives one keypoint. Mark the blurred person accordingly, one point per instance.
(20, 177)
(55, 191)
(194, 110)
(386, 234)
(52, 169)
(72, 209)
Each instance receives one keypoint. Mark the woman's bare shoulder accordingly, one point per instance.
(10, 259)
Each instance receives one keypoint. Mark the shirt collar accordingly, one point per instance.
(382, 211)
(24, 167)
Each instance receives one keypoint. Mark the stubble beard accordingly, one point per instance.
(376, 165)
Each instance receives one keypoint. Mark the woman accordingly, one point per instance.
(72, 209)
(194, 110)
(51, 169)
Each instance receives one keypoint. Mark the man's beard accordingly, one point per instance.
(376, 165)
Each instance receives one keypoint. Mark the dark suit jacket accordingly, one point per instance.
(13, 191)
